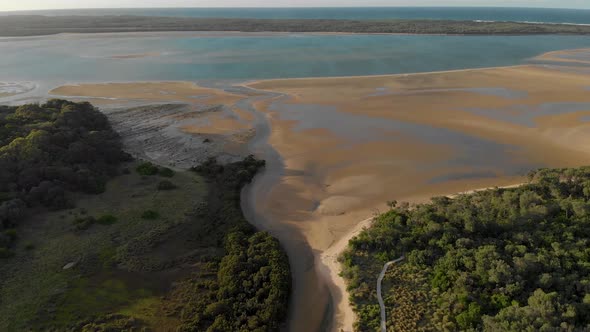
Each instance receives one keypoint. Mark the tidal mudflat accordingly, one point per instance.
(339, 148)
(178, 124)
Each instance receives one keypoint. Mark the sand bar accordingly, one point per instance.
(148, 91)
(579, 56)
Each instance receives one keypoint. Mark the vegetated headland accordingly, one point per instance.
(32, 25)
(92, 240)
(497, 260)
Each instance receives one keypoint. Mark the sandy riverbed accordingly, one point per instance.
(348, 145)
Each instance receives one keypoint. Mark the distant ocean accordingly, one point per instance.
(538, 15)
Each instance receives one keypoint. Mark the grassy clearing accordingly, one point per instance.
(37, 291)
(408, 301)
(180, 260)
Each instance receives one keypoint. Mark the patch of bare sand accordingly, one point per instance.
(216, 124)
(573, 56)
(243, 115)
(148, 91)
(332, 181)
(236, 134)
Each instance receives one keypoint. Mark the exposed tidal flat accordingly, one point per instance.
(339, 148)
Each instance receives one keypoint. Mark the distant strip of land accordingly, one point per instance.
(31, 25)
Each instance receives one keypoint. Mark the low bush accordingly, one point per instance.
(83, 223)
(166, 172)
(147, 169)
(11, 233)
(166, 185)
(5, 253)
(107, 219)
(150, 215)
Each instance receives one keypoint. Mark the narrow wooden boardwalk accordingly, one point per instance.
(379, 296)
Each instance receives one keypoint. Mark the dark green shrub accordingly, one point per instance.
(166, 172)
(150, 215)
(5, 196)
(107, 219)
(83, 223)
(11, 233)
(29, 246)
(5, 240)
(5, 253)
(147, 169)
(166, 185)
(210, 167)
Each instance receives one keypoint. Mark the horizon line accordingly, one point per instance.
(271, 7)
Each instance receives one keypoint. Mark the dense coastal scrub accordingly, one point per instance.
(47, 25)
(127, 252)
(253, 279)
(497, 260)
(48, 152)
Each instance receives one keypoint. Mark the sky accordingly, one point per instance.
(60, 4)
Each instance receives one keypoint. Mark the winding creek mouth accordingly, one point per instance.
(309, 308)
(310, 303)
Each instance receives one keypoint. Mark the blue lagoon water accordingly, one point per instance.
(575, 16)
(202, 56)
(194, 56)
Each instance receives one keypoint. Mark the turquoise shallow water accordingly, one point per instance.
(82, 58)
(576, 16)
